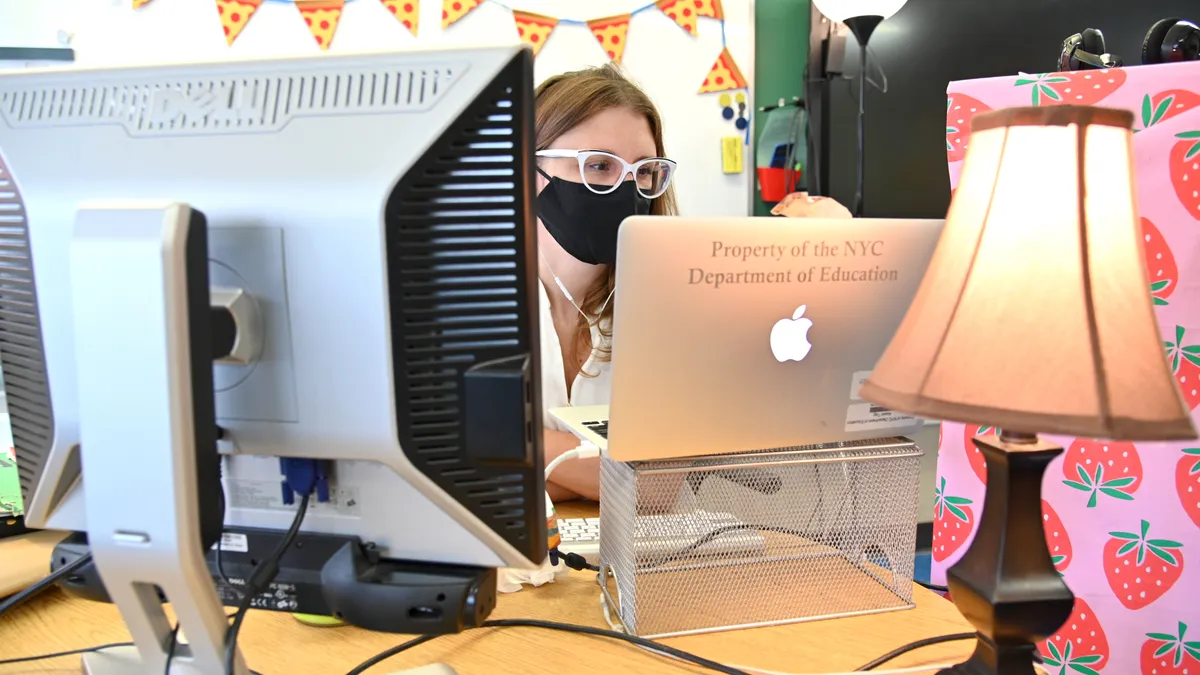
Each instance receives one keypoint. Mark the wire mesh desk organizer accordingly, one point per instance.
(757, 539)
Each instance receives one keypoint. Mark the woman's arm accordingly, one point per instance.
(580, 478)
(574, 478)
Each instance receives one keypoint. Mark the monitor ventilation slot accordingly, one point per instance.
(219, 105)
(455, 230)
(22, 360)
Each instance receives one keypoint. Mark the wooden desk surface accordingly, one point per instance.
(276, 644)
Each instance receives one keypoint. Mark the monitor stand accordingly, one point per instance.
(140, 396)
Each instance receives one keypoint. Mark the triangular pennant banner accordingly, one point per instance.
(682, 12)
(610, 33)
(534, 29)
(406, 12)
(234, 15)
(710, 8)
(724, 75)
(453, 10)
(322, 18)
(139, 3)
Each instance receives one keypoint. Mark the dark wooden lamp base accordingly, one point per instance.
(1006, 584)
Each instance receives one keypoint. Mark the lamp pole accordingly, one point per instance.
(862, 27)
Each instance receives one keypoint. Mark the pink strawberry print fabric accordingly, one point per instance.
(1122, 520)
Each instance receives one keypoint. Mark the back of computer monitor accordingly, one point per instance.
(379, 211)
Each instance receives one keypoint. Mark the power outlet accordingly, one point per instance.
(251, 258)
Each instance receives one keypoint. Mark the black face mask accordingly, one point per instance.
(584, 223)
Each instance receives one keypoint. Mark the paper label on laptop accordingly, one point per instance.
(856, 383)
(233, 542)
(868, 416)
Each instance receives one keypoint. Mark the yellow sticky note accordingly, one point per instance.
(731, 154)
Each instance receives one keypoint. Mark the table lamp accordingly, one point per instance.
(1032, 317)
(862, 17)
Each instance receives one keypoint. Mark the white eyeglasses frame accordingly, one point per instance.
(627, 169)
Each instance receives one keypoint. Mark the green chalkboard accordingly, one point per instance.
(780, 56)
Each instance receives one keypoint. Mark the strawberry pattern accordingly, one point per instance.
(1122, 519)
(1160, 263)
(1166, 104)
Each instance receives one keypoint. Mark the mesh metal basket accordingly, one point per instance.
(757, 539)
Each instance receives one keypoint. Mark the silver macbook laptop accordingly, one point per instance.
(738, 334)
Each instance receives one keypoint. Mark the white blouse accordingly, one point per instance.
(594, 390)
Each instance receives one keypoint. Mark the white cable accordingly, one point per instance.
(584, 451)
(883, 88)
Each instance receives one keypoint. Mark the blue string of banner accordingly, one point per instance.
(583, 22)
(580, 22)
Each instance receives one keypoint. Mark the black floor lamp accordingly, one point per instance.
(862, 17)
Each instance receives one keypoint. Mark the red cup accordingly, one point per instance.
(772, 183)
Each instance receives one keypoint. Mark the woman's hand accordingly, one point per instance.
(801, 205)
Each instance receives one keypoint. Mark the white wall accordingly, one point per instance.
(34, 23)
(669, 63)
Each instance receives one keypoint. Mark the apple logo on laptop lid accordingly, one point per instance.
(789, 337)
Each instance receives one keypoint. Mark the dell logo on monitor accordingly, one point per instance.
(220, 103)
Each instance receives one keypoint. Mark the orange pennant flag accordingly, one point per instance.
(453, 10)
(709, 8)
(322, 18)
(724, 75)
(610, 33)
(534, 29)
(406, 12)
(139, 3)
(234, 15)
(682, 12)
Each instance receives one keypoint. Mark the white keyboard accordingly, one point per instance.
(581, 536)
(662, 536)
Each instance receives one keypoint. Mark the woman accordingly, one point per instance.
(600, 160)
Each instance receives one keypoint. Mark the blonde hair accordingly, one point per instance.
(562, 103)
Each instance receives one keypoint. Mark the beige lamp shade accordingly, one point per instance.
(1035, 313)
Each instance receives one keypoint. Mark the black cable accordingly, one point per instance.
(44, 583)
(389, 653)
(171, 648)
(260, 579)
(533, 623)
(567, 628)
(933, 587)
(577, 562)
(710, 536)
(624, 637)
(912, 646)
(73, 652)
(175, 642)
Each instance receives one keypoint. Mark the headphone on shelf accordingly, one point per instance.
(1170, 41)
(1086, 51)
